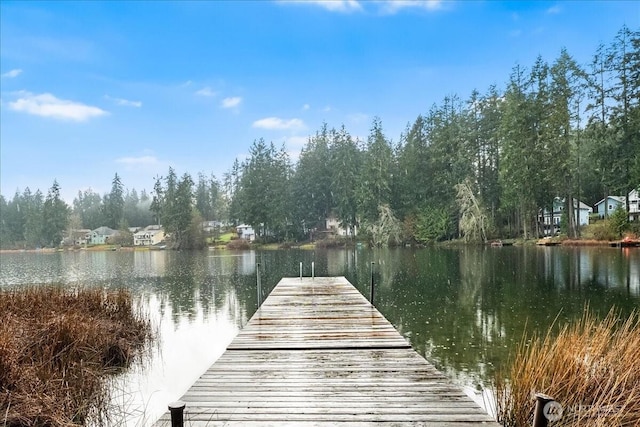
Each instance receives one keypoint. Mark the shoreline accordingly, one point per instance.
(112, 248)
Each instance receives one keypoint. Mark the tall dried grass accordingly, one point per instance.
(591, 367)
(58, 347)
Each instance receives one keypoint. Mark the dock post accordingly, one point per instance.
(177, 413)
(313, 270)
(300, 270)
(259, 284)
(547, 409)
(372, 285)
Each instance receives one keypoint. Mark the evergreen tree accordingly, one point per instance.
(375, 178)
(182, 207)
(34, 219)
(563, 158)
(204, 203)
(114, 204)
(346, 162)
(157, 201)
(517, 161)
(624, 59)
(414, 173)
(13, 217)
(312, 181)
(56, 215)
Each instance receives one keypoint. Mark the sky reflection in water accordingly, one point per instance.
(463, 309)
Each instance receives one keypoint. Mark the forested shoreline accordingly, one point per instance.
(480, 168)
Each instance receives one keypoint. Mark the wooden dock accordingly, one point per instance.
(317, 353)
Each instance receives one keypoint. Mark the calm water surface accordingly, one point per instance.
(463, 309)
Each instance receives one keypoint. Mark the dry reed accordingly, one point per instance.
(57, 349)
(591, 367)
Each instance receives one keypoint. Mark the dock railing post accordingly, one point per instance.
(258, 279)
(300, 271)
(177, 413)
(313, 270)
(372, 284)
(547, 409)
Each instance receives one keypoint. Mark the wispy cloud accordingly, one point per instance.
(47, 105)
(276, 123)
(231, 102)
(124, 102)
(206, 91)
(554, 10)
(358, 118)
(141, 161)
(13, 73)
(394, 6)
(343, 6)
(305, 107)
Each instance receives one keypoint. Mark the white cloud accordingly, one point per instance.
(140, 161)
(231, 102)
(343, 6)
(125, 102)
(276, 123)
(305, 107)
(13, 73)
(326, 109)
(47, 105)
(206, 91)
(393, 6)
(554, 10)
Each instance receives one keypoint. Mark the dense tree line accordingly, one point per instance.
(477, 168)
(487, 166)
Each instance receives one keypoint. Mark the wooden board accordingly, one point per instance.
(317, 353)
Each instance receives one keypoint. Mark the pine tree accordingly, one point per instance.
(56, 215)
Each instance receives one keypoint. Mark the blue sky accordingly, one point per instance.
(89, 89)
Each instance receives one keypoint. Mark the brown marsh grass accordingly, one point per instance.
(57, 349)
(591, 367)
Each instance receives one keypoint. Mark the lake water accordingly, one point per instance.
(464, 309)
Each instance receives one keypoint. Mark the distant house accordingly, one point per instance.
(210, 226)
(332, 225)
(81, 237)
(610, 204)
(246, 232)
(149, 236)
(77, 237)
(634, 205)
(101, 235)
(583, 210)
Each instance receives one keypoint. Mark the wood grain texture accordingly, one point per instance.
(316, 353)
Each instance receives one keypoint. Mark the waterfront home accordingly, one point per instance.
(77, 237)
(246, 232)
(149, 236)
(101, 235)
(610, 204)
(332, 225)
(581, 211)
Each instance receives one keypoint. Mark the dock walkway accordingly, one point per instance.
(317, 353)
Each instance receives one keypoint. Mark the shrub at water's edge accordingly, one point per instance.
(591, 367)
(57, 349)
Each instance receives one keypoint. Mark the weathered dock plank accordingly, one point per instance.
(317, 353)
